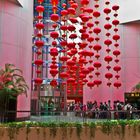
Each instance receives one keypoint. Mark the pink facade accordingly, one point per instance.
(129, 62)
(16, 41)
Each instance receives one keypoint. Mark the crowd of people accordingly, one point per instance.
(103, 110)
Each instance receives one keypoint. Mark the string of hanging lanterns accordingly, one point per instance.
(108, 42)
(39, 43)
(116, 51)
(97, 47)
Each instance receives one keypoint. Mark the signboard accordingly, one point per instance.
(132, 94)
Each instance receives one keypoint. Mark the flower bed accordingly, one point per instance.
(106, 130)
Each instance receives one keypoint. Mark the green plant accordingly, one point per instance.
(12, 81)
(78, 128)
(92, 126)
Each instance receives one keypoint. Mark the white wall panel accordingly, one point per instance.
(129, 10)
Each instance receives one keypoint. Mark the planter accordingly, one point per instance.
(8, 107)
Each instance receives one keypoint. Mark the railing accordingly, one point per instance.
(69, 116)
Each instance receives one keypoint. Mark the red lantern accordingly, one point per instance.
(63, 27)
(71, 28)
(97, 65)
(97, 38)
(117, 68)
(73, 20)
(108, 59)
(64, 5)
(40, 8)
(107, 10)
(54, 17)
(84, 36)
(90, 24)
(116, 52)
(38, 71)
(96, 5)
(108, 42)
(38, 62)
(39, 35)
(107, 26)
(116, 37)
(107, 2)
(74, 5)
(115, 30)
(53, 52)
(97, 73)
(70, 62)
(64, 58)
(39, 17)
(54, 43)
(80, 92)
(90, 61)
(71, 11)
(85, 71)
(53, 83)
(107, 18)
(73, 36)
(71, 45)
(97, 82)
(39, 43)
(53, 72)
(90, 84)
(53, 66)
(85, 18)
(96, 22)
(54, 35)
(90, 68)
(64, 12)
(97, 47)
(108, 76)
(109, 84)
(115, 22)
(38, 81)
(39, 26)
(84, 2)
(117, 84)
(64, 75)
(108, 50)
(97, 30)
(96, 14)
(108, 34)
(116, 60)
(82, 45)
(115, 7)
(90, 39)
(40, 1)
(90, 76)
(117, 76)
(63, 43)
(85, 80)
(116, 45)
(54, 2)
(97, 56)
(108, 67)
(89, 10)
(71, 80)
(82, 76)
(115, 15)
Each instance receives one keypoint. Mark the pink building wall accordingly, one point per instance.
(16, 41)
(129, 62)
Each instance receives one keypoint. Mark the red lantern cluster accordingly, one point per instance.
(39, 43)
